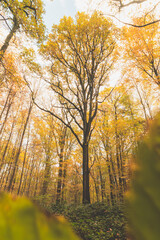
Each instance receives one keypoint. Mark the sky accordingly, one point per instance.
(56, 9)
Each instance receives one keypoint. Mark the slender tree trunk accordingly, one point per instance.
(119, 175)
(37, 179)
(113, 170)
(86, 190)
(5, 105)
(65, 165)
(19, 149)
(47, 173)
(8, 38)
(118, 158)
(112, 198)
(23, 188)
(110, 164)
(12, 157)
(102, 181)
(4, 122)
(95, 185)
(122, 167)
(3, 176)
(142, 103)
(75, 189)
(6, 147)
(64, 180)
(59, 184)
(30, 178)
(7, 177)
(24, 161)
(62, 140)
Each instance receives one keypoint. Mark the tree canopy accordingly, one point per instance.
(26, 16)
(74, 108)
(82, 56)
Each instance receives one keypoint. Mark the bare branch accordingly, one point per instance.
(5, 19)
(123, 5)
(107, 94)
(52, 113)
(151, 10)
(134, 25)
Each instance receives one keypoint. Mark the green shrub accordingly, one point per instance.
(96, 221)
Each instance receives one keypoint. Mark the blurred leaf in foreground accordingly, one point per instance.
(20, 219)
(144, 197)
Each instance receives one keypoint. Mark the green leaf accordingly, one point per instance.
(20, 219)
(144, 198)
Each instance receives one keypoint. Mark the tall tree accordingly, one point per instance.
(81, 56)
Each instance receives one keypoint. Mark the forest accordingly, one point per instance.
(79, 123)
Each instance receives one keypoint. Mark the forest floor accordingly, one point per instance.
(96, 221)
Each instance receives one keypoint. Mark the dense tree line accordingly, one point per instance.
(79, 145)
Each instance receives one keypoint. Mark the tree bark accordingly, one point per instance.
(19, 150)
(30, 178)
(62, 141)
(24, 161)
(59, 184)
(118, 157)
(47, 173)
(86, 190)
(6, 147)
(5, 120)
(102, 181)
(37, 179)
(8, 38)
(6, 102)
(95, 179)
(64, 180)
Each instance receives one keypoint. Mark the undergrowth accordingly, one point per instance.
(96, 221)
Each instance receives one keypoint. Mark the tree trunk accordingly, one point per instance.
(59, 184)
(64, 181)
(5, 120)
(8, 38)
(62, 139)
(37, 179)
(6, 102)
(47, 173)
(111, 180)
(24, 161)
(25, 178)
(6, 147)
(102, 181)
(95, 180)
(7, 177)
(86, 192)
(13, 175)
(118, 157)
(3, 176)
(30, 178)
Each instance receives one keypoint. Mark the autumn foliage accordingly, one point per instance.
(69, 130)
